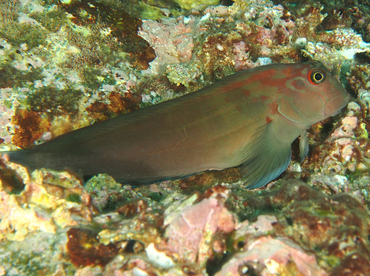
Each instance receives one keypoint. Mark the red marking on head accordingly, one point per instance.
(246, 92)
(287, 71)
(264, 98)
(273, 107)
(254, 99)
(276, 76)
(268, 120)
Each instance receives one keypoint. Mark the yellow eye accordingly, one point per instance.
(317, 77)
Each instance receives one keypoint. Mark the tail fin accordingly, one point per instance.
(19, 157)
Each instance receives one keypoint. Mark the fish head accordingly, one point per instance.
(309, 94)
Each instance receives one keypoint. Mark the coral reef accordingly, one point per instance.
(48, 201)
(282, 258)
(122, 26)
(67, 64)
(29, 127)
(338, 14)
(105, 192)
(218, 232)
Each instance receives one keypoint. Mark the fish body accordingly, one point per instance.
(248, 119)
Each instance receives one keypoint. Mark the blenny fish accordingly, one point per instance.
(248, 119)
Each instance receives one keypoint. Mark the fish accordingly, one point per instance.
(247, 120)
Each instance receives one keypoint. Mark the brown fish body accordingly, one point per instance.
(249, 118)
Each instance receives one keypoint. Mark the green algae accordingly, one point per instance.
(200, 4)
(339, 13)
(26, 264)
(11, 77)
(123, 26)
(86, 39)
(106, 193)
(10, 181)
(76, 198)
(91, 77)
(40, 255)
(18, 34)
(153, 9)
(158, 197)
(54, 101)
(52, 19)
(149, 12)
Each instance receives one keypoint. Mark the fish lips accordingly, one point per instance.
(335, 105)
(331, 108)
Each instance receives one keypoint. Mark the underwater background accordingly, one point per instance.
(68, 64)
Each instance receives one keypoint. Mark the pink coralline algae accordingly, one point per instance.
(171, 44)
(191, 227)
(333, 227)
(272, 256)
(344, 154)
(293, 229)
(346, 129)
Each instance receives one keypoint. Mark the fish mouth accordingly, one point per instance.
(335, 105)
(291, 121)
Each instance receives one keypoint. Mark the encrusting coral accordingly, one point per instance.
(67, 64)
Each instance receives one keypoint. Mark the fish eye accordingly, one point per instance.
(317, 77)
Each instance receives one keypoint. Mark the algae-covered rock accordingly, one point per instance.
(78, 62)
(196, 4)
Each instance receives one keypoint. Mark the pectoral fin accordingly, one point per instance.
(303, 145)
(265, 158)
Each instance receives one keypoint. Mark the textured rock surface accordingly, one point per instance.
(68, 64)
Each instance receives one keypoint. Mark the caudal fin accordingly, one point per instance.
(20, 157)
